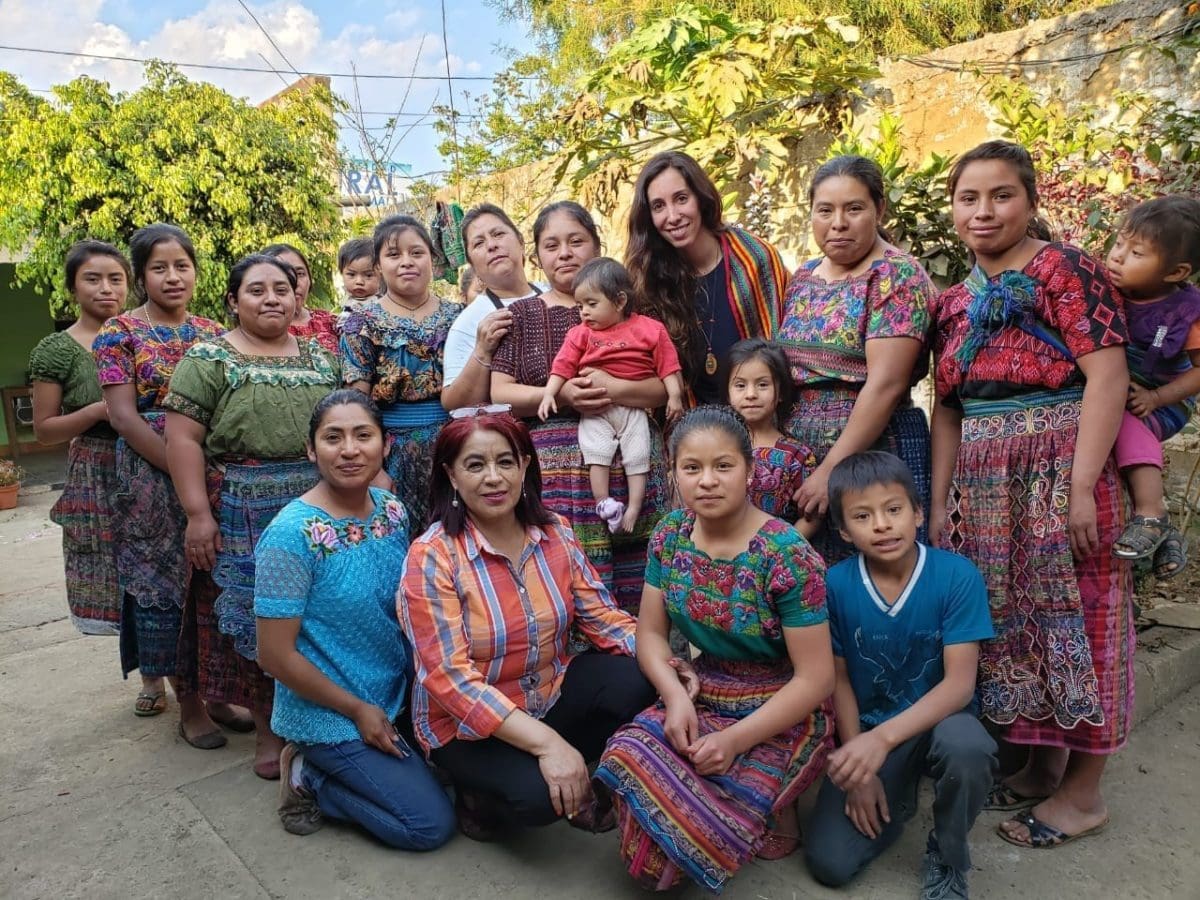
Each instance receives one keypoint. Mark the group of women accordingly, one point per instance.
(223, 514)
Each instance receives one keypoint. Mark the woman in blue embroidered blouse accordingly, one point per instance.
(327, 570)
(392, 349)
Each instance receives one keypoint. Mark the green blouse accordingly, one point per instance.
(252, 406)
(59, 359)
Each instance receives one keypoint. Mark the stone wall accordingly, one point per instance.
(1086, 57)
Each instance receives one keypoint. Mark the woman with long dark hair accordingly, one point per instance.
(712, 284)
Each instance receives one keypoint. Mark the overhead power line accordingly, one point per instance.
(262, 70)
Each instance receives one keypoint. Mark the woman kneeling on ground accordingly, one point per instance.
(327, 570)
(703, 784)
(490, 594)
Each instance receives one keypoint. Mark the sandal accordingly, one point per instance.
(1003, 798)
(150, 703)
(1171, 555)
(1141, 537)
(1043, 836)
(212, 740)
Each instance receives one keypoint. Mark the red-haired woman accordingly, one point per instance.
(489, 597)
(710, 283)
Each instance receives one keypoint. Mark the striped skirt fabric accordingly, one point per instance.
(619, 559)
(1060, 671)
(252, 493)
(818, 419)
(674, 822)
(84, 512)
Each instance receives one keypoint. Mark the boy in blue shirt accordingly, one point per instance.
(906, 621)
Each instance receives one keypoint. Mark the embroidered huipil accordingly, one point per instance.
(490, 636)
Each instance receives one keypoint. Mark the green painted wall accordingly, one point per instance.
(24, 320)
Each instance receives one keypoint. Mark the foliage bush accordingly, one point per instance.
(91, 163)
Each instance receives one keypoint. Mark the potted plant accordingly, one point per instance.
(10, 483)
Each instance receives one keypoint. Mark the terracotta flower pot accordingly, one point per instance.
(8, 495)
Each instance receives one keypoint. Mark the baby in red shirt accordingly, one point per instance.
(616, 340)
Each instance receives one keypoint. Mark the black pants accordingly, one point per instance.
(960, 756)
(600, 693)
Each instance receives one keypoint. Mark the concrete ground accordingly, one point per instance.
(97, 803)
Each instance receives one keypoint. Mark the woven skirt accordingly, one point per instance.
(252, 493)
(818, 419)
(409, 464)
(85, 513)
(149, 525)
(620, 559)
(1060, 670)
(674, 822)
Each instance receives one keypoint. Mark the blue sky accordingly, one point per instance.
(315, 35)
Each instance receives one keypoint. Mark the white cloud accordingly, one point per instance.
(221, 33)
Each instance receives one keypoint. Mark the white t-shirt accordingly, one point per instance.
(460, 341)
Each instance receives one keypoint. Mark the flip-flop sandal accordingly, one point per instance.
(1043, 836)
(1171, 556)
(1141, 537)
(150, 703)
(1002, 798)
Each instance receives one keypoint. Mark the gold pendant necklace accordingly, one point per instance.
(710, 358)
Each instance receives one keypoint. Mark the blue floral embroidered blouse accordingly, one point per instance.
(339, 577)
(737, 608)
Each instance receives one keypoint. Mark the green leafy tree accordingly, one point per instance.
(737, 96)
(580, 33)
(91, 163)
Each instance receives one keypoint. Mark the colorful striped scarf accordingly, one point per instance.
(756, 279)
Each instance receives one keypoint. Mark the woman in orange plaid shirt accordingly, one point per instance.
(489, 597)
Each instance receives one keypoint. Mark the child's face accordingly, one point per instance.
(752, 392)
(711, 473)
(360, 278)
(1137, 268)
(597, 311)
(881, 522)
(406, 265)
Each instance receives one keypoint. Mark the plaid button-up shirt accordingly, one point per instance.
(490, 635)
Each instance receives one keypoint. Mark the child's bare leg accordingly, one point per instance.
(1146, 490)
(598, 476)
(637, 496)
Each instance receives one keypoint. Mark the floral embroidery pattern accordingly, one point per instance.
(400, 357)
(739, 595)
(778, 473)
(826, 320)
(329, 536)
(131, 351)
(313, 365)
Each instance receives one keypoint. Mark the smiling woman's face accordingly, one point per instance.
(489, 475)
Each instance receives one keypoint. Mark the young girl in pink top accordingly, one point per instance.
(616, 340)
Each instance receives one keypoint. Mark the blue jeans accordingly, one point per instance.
(397, 800)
